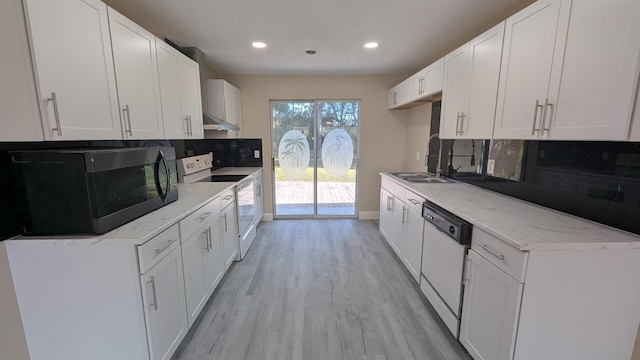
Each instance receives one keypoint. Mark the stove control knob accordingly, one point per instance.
(452, 230)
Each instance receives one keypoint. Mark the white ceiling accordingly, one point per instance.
(410, 32)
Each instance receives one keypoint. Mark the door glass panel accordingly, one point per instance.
(337, 157)
(292, 128)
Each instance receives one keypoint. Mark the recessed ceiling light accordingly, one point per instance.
(371, 45)
(258, 45)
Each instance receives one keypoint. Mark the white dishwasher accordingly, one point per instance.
(446, 241)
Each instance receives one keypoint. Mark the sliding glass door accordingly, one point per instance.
(314, 158)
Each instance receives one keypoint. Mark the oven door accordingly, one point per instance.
(246, 205)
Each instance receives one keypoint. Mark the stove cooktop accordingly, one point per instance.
(223, 178)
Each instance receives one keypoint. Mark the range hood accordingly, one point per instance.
(210, 122)
(213, 123)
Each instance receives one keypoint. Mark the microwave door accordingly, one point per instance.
(162, 191)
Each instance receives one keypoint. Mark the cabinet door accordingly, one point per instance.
(191, 96)
(412, 247)
(485, 54)
(432, 78)
(601, 56)
(527, 63)
(398, 210)
(164, 305)
(195, 252)
(76, 78)
(176, 124)
(489, 310)
(456, 64)
(414, 87)
(386, 213)
(214, 256)
(229, 230)
(18, 99)
(134, 55)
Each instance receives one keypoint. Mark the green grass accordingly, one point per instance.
(322, 176)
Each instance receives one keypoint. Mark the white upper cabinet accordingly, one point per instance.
(74, 69)
(418, 86)
(225, 102)
(432, 77)
(592, 98)
(485, 54)
(531, 53)
(20, 120)
(134, 54)
(191, 96)
(179, 79)
(569, 71)
(456, 64)
(470, 88)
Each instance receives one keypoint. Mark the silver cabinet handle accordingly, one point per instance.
(158, 251)
(389, 203)
(227, 197)
(404, 211)
(225, 222)
(128, 119)
(210, 239)
(462, 115)
(204, 216)
(259, 190)
(547, 105)
(486, 247)
(186, 122)
(56, 114)
(153, 290)
(535, 118)
(206, 239)
(414, 201)
(190, 126)
(458, 124)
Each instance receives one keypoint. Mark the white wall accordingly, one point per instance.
(382, 132)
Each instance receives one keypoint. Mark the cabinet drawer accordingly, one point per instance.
(504, 256)
(227, 198)
(157, 248)
(394, 188)
(414, 201)
(192, 222)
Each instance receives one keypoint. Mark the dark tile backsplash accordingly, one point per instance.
(226, 152)
(599, 181)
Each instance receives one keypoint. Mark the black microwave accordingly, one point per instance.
(82, 191)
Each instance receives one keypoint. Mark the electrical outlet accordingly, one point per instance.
(418, 155)
(256, 154)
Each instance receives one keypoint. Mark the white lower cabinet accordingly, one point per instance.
(414, 229)
(401, 224)
(490, 310)
(147, 296)
(163, 297)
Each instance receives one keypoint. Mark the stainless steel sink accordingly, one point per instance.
(420, 177)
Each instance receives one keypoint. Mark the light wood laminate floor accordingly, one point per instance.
(318, 289)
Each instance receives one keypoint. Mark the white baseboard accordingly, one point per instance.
(369, 215)
(267, 217)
